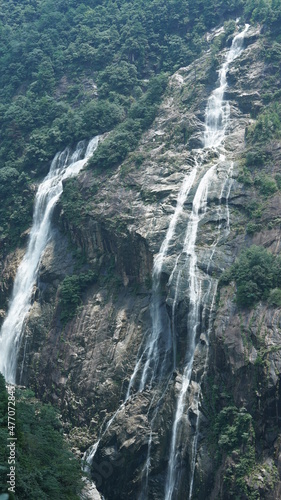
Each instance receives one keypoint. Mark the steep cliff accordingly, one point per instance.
(82, 355)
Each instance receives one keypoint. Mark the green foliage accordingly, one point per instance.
(76, 201)
(45, 468)
(76, 69)
(72, 202)
(267, 125)
(115, 148)
(278, 180)
(120, 78)
(229, 27)
(253, 227)
(274, 298)
(256, 272)
(258, 10)
(53, 53)
(257, 157)
(266, 184)
(70, 293)
(264, 11)
(254, 209)
(232, 443)
(234, 428)
(245, 176)
(15, 207)
(73, 70)
(124, 138)
(8, 180)
(101, 116)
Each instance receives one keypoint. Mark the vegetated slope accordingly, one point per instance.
(242, 390)
(44, 466)
(71, 71)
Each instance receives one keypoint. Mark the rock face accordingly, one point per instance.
(8, 272)
(85, 366)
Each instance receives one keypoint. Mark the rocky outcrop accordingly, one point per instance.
(244, 374)
(8, 271)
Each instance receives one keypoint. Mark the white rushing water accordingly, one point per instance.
(150, 356)
(148, 371)
(63, 166)
(216, 122)
(158, 328)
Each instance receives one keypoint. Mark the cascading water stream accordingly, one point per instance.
(216, 122)
(149, 358)
(158, 328)
(195, 290)
(225, 193)
(198, 397)
(206, 315)
(63, 166)
(150, 350)
(152, 344)
(148, 371)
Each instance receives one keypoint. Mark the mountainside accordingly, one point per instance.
(154, 323)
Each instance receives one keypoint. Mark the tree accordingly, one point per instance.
(256, 272)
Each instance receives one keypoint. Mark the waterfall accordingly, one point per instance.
(160, 327)
(63, 166)
(195, 291)
(216, 122)
(151, 348)
(157, 357)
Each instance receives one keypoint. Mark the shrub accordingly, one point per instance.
(267, 126)
(121, 77)
(234, 428)
(45, 468)
(253, 228)
(70, 293)
(245, 177)
(254, 209)
(124, 138)
(278, 180)
(248, 293)
(256, 272)
(274, 298)
(267, 186)
(113, 150)
(257, 157)
(72, 201)
(101, 116)
(15, 207)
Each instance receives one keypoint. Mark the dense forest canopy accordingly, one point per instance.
(73, 70)
(45, 467)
